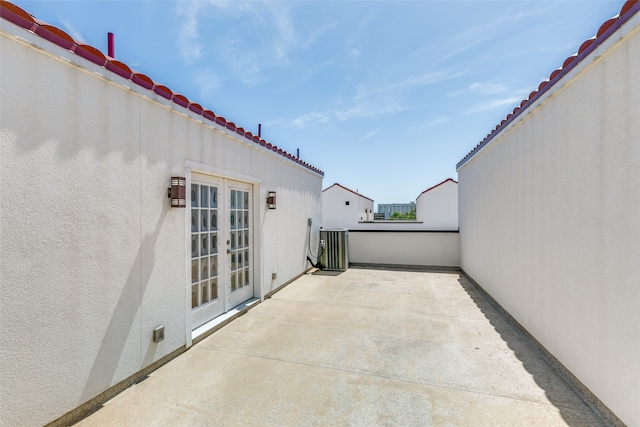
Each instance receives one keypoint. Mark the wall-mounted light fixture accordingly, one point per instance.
(271, 199)
(178, 192)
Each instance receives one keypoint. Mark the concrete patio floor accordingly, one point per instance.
(365, 347)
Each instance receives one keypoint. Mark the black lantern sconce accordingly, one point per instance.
(178, 192)
(271, 199)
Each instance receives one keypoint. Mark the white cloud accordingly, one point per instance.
(486, 27)
(207, 81)
(489, 105)
(189, 44)
(353, 53)
(488, 88)
(244, 58)
(365, 109)
(409, 82)
(361, 110)
(439, 121)
(483, 88)
(471, 38)
(431, 123)
(465, 46)
(315, 34)
(285, 39)
(310, 119)
(244, 64)
(232, 7)
(72, 31)
(370, 134)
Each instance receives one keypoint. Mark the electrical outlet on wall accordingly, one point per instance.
(158, 334)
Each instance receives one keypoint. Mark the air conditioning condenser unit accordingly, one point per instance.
(334, 247)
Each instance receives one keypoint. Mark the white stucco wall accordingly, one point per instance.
(418, 248)
(92, 257)
(550, 221)
(437, 208)
(336, 213)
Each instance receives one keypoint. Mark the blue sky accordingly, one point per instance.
(384, 96)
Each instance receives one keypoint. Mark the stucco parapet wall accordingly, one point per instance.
(611, 32)
(52, 40)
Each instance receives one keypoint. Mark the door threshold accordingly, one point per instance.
(213, 325)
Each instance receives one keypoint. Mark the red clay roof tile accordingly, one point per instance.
(21, 18)
(630, 8)
(348, 189)
(438, 185)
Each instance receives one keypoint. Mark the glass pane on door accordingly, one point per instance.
(204, 252)
(239, 218)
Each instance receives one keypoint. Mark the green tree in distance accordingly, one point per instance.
(408, 215)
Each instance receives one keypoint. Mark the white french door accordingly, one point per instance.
(221, 246)
(239, 244)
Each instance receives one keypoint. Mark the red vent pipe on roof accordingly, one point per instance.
(111, 50)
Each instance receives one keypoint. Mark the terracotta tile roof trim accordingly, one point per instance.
(19, 17)
(348, 189)
(438, 185)
(630, 8)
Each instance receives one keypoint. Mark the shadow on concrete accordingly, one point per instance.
(331, 273)
(547, 376)
(404, 268)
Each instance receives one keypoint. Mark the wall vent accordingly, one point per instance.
(334, 247)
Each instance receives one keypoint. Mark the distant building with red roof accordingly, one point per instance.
(344, 208)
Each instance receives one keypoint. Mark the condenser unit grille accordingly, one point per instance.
(334, 244)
